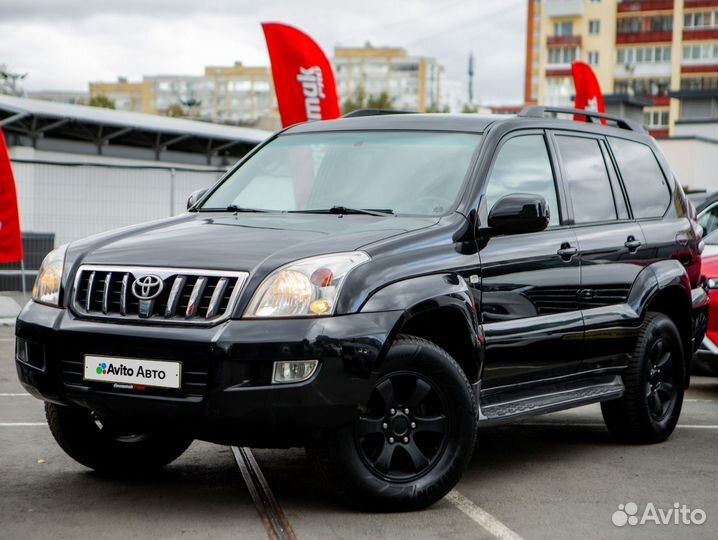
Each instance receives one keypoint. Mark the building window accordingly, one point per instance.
(643, 55)
(564, 28)
(655, 119)
(642, 87)
(592, 58)
(645, 25)
(699, 83)
(701, 19)
(594, 27)
(562, 55)
(703, 52)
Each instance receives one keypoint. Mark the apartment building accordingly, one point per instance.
(412, 83)
(238, 94)
(660, 53)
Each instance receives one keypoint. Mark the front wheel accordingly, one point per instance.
(414, 439)
(651, 404)
(109, 447)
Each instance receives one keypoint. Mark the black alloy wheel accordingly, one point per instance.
(661, 391)
(406, 428)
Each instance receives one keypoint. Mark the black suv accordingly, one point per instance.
(376, 288)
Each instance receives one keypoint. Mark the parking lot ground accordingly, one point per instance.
(553, 477)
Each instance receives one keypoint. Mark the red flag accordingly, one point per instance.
(303, 77)
(588, 91)
(10, 238)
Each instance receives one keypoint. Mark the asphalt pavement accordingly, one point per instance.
(554, 477)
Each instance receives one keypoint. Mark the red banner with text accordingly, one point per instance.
(10, 237)
(303, 77)
(588, 92)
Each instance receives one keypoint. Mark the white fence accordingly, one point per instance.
(74, 200)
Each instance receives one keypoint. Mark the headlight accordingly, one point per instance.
(712, 283)
(49, 278)
(305, 288)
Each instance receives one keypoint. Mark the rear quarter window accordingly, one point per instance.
(643, 178)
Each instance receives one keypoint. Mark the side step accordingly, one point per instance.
(502, 409)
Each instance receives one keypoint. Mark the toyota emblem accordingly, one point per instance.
(147, 287)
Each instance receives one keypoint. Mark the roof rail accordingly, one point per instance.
(373, 112)
(539, 111)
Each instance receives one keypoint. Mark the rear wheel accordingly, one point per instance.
(110, 447)
(650, 407)
(415, 437)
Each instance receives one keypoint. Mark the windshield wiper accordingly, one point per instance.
(233, 208)
(342, 210)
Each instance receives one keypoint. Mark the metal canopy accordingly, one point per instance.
(35, 119)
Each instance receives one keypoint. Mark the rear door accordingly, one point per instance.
(611, 244)
(529, 282)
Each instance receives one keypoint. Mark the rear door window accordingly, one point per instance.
(643, 178)
(587, 179)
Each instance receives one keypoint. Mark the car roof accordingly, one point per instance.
(472, 123)
(463, 123)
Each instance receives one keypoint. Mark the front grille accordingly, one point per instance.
(172, 296)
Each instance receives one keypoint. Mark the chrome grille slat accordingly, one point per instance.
(123, 294)
(106, 292)
(217, 295)
(194, 299)
(174, 297)
(88, 298)
(186, 296)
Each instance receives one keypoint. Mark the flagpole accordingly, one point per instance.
(22, 276)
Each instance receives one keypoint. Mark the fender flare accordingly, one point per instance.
(417, 296)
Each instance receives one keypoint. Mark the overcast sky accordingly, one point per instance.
(63, 44)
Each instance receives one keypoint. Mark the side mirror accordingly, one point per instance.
(194, 197)
(518, 213)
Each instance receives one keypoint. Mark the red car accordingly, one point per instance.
(706, 358)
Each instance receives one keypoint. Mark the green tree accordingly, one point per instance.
(101, 101)
(357, 101)
(469, 108)
(382, 101)
(175, 111)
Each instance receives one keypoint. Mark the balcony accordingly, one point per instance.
(699, 33)
(564, 8)
(629, 6)
(644, 37)
(559, 41)
(699, 3)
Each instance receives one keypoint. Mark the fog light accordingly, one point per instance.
(293, 371)
(713, 283)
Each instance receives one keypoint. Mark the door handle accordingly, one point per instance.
(566, 252)
(632, 244)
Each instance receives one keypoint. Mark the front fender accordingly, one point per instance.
(436, 301)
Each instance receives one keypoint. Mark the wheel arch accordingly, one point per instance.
(439, 308)
(668, 291)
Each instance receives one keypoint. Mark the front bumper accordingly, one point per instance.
(226, 393)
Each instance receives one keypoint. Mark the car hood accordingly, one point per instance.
(225, 241)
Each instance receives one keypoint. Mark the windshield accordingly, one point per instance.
(400, 172)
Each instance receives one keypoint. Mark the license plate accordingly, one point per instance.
(134, 371)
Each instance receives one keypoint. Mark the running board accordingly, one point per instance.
(509, 407)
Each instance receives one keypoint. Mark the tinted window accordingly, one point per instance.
(587, 179)
(708, 219)
(646, 186)
(523, 166)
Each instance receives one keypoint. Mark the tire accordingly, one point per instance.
(420, 455)
(110, 450)
(649, 409)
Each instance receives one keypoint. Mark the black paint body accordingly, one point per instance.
(515, 310)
